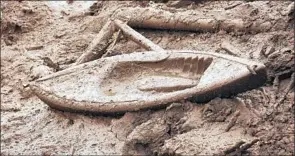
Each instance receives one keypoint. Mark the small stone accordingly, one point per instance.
(269, 50)
(48, 62)
(70, 122)
(27, 10)
(41, 71)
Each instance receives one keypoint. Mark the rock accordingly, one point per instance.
(40, 71)
(27, 10)
(48, 62)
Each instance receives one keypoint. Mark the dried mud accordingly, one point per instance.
(38, 39)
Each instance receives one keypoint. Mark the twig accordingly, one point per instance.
(232, 6)
(99, 45)
(111, 47)
(246, 146)
(37, 47)
(233, 148)
(269, 50)
(238, 148)
(232, 121)
(229, 48)
(265, 97)
(286, 91)
(13, 109)
(118, 35)
(276, 84)
(137, 37)
(249, 106)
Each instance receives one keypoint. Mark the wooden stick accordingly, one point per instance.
(233, 121)
(99, 45)
(161, 19)
(246, 146)
(237, 149)
(276, 85)
(136, 37)
(286, 91)
(233, 148)
(229, 48)
(111, 47)
(232, 6)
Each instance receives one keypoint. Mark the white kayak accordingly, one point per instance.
(141, 80)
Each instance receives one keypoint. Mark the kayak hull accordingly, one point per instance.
(142, 80)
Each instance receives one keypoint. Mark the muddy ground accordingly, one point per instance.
(37, 33)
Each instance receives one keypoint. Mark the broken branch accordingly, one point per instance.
(229, 48)
(232, 6)
(161, 19)
(233, 148)
(232, 121)
(136, 37)
(286, 91)
(111, 47)
(246, 146)
(99, 45)
(37, 47)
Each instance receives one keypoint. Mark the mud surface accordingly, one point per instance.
(39, 38)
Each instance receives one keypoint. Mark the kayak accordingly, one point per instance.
(150, 79)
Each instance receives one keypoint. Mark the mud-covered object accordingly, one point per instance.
(140, 80)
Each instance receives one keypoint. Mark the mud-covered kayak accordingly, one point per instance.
(142, 80)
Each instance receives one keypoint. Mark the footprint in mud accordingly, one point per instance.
(171, 74)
